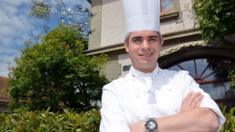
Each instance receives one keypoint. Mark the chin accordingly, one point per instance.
(147, 65)
(147, 62)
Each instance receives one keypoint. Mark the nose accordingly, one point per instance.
(145, 44)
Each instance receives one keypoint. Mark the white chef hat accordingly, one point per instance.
(142, 15)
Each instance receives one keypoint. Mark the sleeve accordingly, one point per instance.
(207, 101)
(112, 117)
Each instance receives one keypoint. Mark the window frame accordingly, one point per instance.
(173, 13)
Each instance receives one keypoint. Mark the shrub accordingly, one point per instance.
(69, 121)
(46, 121)
(229, 125)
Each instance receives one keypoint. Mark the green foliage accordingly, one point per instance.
(232, 78)
(229, 125)
(45, 121)
(216, 17)
(56, 73)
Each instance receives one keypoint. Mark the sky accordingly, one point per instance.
(18, 26)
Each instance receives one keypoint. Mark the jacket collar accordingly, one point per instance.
(144, 76)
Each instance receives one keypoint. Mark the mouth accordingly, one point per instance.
(147, 55)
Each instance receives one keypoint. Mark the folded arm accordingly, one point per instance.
(191, 118)
(197, 120)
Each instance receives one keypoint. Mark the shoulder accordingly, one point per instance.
(173, 74)
(116, 89)
(180, 77)
(116, 84)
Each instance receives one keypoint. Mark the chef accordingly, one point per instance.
(148, 98)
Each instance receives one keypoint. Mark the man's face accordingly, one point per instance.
(143, 48)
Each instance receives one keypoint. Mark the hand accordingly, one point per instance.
(138, 127)
(191, 101)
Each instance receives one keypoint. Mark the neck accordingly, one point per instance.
(145, 70)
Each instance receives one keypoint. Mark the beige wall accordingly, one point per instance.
(113, 23)
(113, 68)
(95, 36)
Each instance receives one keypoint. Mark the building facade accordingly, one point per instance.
(183, 47)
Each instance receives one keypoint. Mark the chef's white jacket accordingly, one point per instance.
(139, 96)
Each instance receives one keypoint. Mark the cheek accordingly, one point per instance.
(132, 49)
(158, 49)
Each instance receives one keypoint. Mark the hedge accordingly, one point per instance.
(229, 125)
(69, 121)
(45, 121)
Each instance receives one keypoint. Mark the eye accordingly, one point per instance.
(137, 40)
(153, 39)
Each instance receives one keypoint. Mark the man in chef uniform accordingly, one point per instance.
(148, 98)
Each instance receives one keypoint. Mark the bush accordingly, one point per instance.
(69, 121)
(229, 125)
(232, 77)
(45, 121)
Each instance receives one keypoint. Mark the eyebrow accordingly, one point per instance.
(152, 36)
(134, 37)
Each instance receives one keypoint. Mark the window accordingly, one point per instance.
(167, 5)
(169, 9)
(126, 68)
(210, 73)
(209, 66)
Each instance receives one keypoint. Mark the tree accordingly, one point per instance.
(216, 18)
(56, 73)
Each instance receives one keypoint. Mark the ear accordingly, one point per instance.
(126, 46)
